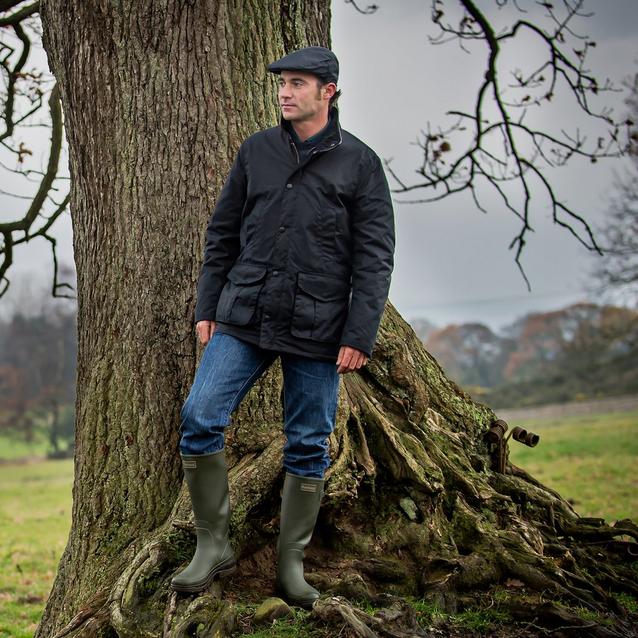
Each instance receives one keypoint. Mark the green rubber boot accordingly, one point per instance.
(207, 479)
(299, 509)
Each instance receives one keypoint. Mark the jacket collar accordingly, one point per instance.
(330, 140)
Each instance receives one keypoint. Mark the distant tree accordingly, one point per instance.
(15, 402)
(603, 356)
(617, 272)
(423, 328)
(471, 354)
(581, 351)
(37, 367)
(58, 393)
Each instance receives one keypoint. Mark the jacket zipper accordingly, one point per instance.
(314, 152)
(323, 150)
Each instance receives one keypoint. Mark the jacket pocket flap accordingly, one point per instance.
(242, 273)
(323, 287)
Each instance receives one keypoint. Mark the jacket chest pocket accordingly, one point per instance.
(320, 308)
(238, 299)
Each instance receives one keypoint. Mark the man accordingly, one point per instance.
(297, 264)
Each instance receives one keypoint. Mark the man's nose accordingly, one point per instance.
(284, 91)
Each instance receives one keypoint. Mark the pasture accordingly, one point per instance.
(590, 460)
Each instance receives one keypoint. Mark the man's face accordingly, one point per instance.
(300, 97)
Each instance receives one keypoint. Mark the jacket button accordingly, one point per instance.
(288, 185)
(275, 272)
(282, 228)
(266, 316)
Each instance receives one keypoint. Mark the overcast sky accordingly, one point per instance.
(452, 262)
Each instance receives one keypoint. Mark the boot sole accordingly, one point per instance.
(306, 604)
(221, 571)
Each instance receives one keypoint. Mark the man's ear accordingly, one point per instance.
(328, 90)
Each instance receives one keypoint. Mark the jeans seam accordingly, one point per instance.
(320, 467)
(253, 376)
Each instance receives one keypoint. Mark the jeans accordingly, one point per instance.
(228, 369)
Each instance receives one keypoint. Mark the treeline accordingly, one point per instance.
(37, 376)
(584, 351)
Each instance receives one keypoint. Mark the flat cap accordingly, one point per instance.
(320, 61)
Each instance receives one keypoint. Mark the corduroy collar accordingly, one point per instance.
(330, 139)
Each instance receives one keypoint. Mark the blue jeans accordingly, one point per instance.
(228, 369)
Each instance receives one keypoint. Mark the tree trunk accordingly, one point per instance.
(157, 97)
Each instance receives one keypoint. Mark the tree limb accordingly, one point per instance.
(475, 165)
(21, 84)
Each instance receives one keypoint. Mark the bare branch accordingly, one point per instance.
(20, 15)
(21, 86)
(525, 149)
(371, 8)
(616, 273)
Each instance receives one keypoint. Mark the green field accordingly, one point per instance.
(35, 516)
(16, 448)
(589, 460)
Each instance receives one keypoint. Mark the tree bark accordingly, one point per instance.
(157, 97)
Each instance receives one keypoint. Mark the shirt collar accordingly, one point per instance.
(330, 134)
(313, 139)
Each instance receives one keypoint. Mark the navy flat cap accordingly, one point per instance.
(320, 61)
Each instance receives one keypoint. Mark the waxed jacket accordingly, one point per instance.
(299, 256)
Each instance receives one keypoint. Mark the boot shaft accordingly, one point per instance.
(206, 476)
(301, 499)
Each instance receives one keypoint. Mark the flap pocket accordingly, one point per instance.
(323, 287)
(243, 273)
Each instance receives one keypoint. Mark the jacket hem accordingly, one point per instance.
(252, 338)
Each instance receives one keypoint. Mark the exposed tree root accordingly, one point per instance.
(89, 620)
(411, 509)
(397, 621)
(551, 619)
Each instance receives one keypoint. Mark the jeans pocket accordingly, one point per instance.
(320, 308)
(238, 299)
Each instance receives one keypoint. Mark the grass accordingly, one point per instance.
(295, 626)
(14, 447)
(590, 460)
(628, 602)
(481, 621)
(35, 516)
(428, 614)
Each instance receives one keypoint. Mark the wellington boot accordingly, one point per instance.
(299, 509)
(207, 479)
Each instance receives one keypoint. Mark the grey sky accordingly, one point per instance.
(452, 262)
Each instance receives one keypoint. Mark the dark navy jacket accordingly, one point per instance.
(299, 256)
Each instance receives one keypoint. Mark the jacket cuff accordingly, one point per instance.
(204, 317)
